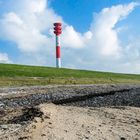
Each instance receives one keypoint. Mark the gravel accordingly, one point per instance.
(79, 95)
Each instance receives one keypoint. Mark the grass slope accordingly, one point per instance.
(20, 75)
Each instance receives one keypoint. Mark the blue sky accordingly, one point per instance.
(79, 13)
(97, 34)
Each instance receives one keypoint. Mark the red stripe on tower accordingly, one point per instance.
(57, 51)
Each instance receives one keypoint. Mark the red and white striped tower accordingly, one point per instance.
(57, 32)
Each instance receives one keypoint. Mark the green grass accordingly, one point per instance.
(20, 75)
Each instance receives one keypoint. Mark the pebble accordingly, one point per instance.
(59, 94)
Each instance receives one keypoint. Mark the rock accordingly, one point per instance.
(122, 138)
(43, 135)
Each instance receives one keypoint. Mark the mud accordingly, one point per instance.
(28, 114)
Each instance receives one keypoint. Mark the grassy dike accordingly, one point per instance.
(21, 75)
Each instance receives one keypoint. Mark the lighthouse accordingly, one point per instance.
(57, 32)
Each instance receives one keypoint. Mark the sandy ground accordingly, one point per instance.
(77, 123)
(28, 113)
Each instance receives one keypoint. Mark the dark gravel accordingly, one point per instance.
(79, 95)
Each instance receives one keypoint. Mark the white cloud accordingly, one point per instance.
(29, 25)
(25, 27)
(4, 58)
(105, 37)
(71, 38)
(37, 6)
(104, 50)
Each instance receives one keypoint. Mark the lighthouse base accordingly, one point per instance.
(58, 62)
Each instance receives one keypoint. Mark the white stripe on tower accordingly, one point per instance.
(57, 40)
(58, 62)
